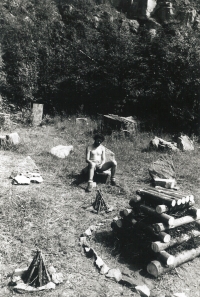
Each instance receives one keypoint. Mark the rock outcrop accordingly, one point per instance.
(161, 10)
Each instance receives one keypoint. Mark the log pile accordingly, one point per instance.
(163, 215)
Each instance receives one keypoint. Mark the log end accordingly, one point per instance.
(155, 246)
(154, 268)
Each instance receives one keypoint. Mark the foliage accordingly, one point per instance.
(72, 54)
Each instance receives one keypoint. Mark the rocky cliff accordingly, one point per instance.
(183, 12)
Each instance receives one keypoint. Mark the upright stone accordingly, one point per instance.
(162, 168)
(184, 143)
(5, 121)
(37, 114)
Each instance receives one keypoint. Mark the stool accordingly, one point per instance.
(99, 177)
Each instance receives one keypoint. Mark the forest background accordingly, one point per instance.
(54, 52)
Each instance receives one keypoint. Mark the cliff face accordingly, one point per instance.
(183, 11)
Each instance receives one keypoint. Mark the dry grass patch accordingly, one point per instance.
(51, 215)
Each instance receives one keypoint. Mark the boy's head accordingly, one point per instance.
(98, 139)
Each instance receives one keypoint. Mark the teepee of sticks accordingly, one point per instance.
(99, 203)
(37, 274)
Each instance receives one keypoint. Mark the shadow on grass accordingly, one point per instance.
(130, 248)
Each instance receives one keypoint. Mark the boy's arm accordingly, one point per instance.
(88, 155)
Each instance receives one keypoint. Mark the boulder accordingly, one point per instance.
(159, 143)
(115, 274)
(184, 143)
(61, 151)
(13, 138)
(163, 168)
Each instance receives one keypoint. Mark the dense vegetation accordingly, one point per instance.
(86, 57)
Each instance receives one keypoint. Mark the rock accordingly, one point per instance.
(21, 180)
(5, 121)
(162, 168)
(88, 232)
(144, 290)
(13, 138)
(159, 143)
(134, 26)
(184, 143)
(57, 278)
(99, 262)
(89, 252)
(83, 241)
(115, 274)
(51, 270)
(104, 269)
(37, 114)
(61, 151)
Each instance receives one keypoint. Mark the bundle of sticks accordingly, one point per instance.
(37, 274)
(164, 210)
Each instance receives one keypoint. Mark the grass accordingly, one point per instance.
(51, 215)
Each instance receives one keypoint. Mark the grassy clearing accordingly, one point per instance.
(50, 215)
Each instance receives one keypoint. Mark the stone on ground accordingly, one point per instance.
(61, 151)
(144, 290)
(13, 138)
(184, 143)
(115, 274)
(160, 144)
(162, 168)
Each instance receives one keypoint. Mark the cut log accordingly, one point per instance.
(125, 212)
(169, 192)
(158, 227)
(167, 195)
(163, 217)
(164, 237)
(162, 209)
(191, 198)
(155, 268)
(159, 198)
(117, 225)
(158, 246)
(165, 258)
(135, 200)
(194, 212)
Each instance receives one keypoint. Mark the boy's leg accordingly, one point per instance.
(91, 168)
(108, 165)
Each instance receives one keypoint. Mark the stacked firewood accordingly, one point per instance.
(158, 213)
